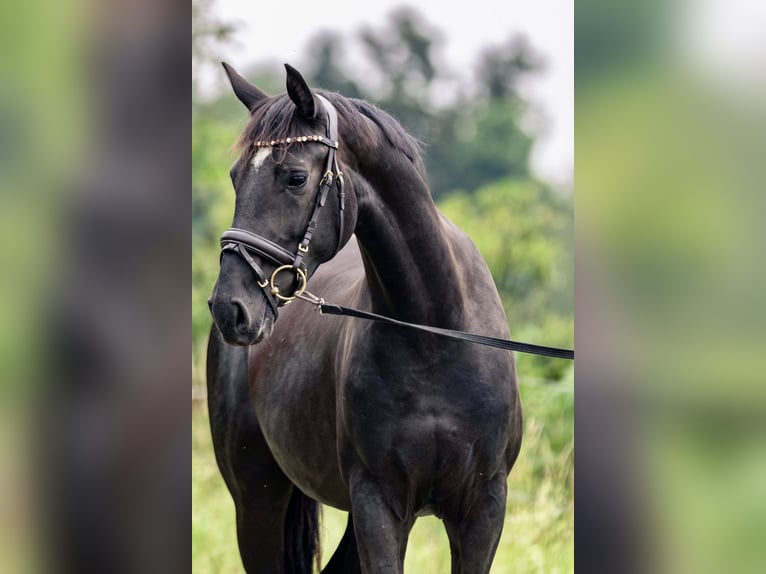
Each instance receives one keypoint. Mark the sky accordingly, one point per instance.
(279, 32)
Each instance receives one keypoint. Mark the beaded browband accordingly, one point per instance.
(298, 139)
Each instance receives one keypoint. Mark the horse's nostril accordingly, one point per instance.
(241, 315)
(210, 303)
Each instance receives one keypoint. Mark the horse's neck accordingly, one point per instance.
(412, 268)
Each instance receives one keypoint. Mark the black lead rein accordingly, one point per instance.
(331, 309)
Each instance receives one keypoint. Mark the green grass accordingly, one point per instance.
(538, 536)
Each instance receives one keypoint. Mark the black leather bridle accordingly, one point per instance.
(246, 243)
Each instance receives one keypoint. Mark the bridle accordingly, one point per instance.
(245, 243)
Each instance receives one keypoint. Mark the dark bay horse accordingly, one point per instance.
(386, 423)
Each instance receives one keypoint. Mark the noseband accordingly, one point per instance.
(246, 243)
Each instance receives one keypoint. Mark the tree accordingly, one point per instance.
(325, 71)
(502, 68)
(471, 138)
(207, 34)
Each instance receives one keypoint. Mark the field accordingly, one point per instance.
(538, 536)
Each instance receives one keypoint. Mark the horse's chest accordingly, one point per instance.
(297, 416)
(427, 426)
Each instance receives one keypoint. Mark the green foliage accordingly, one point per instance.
(471, 132)
(214, 538)
(208, 34)
(475, 145)
(502, 68)
(325, 70)
(402, 51)
(214, 130)
(524, 231)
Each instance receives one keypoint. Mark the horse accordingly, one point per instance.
(383, 422)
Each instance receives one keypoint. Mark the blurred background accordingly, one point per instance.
(94, 236)
(488, 91)
(671, 397)
(94, 239)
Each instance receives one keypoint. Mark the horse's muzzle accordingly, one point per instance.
(242, 320)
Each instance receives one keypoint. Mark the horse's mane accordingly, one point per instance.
(278, 118)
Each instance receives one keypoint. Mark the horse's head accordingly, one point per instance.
(291, 212)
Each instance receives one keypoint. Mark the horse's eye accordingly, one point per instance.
(296, 180)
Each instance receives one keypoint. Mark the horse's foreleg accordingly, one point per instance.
(381, 535)
(260, 531)
(260, 490)
(261, 494)
(474, 533)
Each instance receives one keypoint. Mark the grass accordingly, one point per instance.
(538, 536)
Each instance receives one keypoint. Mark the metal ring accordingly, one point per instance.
(299, 274)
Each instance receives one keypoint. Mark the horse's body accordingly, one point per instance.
(383, 422)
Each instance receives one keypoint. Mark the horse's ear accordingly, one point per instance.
(246, 92)
(300, 93)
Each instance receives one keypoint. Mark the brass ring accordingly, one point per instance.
(299, 273)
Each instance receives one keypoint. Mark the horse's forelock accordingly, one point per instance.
(274, 118)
